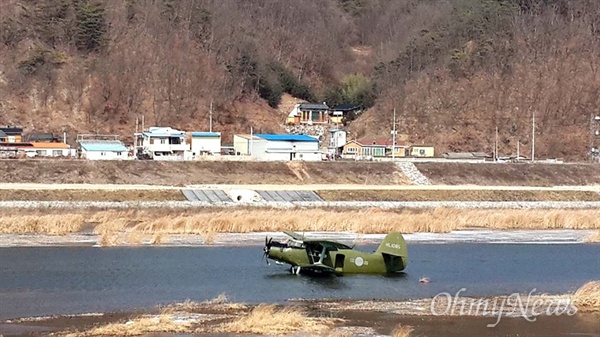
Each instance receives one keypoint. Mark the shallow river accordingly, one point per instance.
(40, 281)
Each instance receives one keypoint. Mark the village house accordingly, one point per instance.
(366, 148)
(206, 143)
(308, 113)
(102, 147)
(340, 113)
(162, 143)
(337, 140)
(11, 134)
(14, 144)
(422, 151)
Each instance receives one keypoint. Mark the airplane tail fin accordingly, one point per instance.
(394, 251)
(393, 244)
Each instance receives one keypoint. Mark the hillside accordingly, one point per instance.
(454, 70)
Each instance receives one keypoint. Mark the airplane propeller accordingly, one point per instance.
(266, 249)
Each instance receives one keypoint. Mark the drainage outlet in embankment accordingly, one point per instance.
(244, 196)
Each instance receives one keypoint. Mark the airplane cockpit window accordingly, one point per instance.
(296, 244)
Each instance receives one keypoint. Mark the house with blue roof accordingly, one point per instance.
(103, 149)
(206, 143)
(284, 147)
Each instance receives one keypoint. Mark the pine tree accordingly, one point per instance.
(91, 27)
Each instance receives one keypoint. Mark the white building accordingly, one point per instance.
(206, 143)
(269, 147)
(337, 140)
(242, 144)
(162, 143)
(94, 149)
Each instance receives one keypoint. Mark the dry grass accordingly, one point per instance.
(587, 298)
(594, 238)
(402, 331)
(137, 327)
(219, 303)
(120, 227)
(92, 195)
(456, 195)
(271, 320)
(52, 224)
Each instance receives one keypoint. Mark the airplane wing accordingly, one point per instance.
(294, 235)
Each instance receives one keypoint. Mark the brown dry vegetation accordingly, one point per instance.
(456, 195)
(52, 224)
(136, 327)
(269, 319)
(587, 298)
(120, 227)
(510, 174)
(196, 172)
(594, 238)
(402, 331)
(92, 195)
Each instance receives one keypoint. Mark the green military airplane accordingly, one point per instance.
(322, 256)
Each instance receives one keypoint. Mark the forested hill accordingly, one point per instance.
(453, 69)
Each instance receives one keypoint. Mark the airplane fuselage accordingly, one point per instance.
(337, 260)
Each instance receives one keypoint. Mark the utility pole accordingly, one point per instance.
(394, 137)
(210, 116)
(518, 154)
(496, 145)
(251, 142)
(533, 136)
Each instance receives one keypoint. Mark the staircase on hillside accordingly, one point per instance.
(412, 172)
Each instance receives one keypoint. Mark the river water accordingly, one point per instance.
(40, 281)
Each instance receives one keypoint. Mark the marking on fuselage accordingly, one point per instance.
(393, 245)
(359, 261)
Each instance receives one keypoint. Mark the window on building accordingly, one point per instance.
(352, 150)
(422, 152)
(41, 152)
(163, 141)
(57, 153)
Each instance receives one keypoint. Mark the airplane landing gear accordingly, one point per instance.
(295, 270)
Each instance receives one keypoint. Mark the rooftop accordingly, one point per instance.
(11, 130)
(206, 134)
(159, 131)
(381, 141)
(287, 137)
(103, 145)
(247, 136)
(346, 107)
(313, 106)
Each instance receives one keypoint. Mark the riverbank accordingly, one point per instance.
(206, 225)
(552, 315)
(561, 236)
